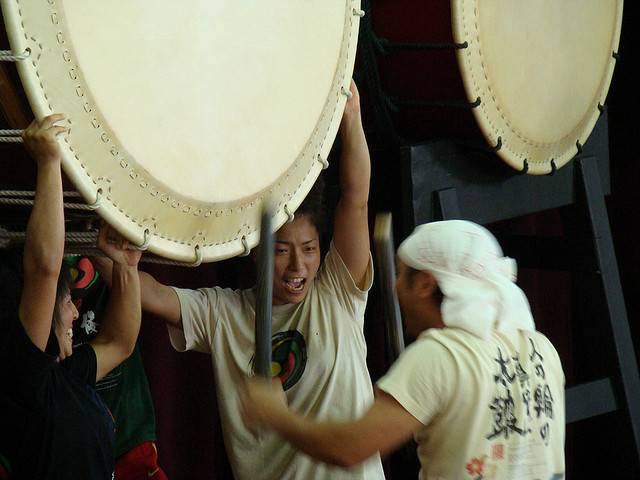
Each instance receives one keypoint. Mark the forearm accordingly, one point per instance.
(351, 221)
(156, 298)
(44, 242)
(44, 238)
(355, 163)
(123, 313)
(383, 428)
(332, 443)
(43, 251)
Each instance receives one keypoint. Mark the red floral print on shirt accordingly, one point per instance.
(475, 466)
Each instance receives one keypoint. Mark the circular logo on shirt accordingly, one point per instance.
(288, 357)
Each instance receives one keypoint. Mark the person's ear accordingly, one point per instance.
(426, 284)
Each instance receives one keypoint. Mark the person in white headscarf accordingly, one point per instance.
(480, 390)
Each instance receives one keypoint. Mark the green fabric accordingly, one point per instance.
(126, 393)
(125, 389)
(4, 464)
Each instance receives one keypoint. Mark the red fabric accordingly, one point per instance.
(139, 463)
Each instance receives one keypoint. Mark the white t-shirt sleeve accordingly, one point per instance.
(337, 281)
(198, 320)
(420, 379)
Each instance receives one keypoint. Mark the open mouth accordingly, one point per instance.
(70, 333)
(295, 285)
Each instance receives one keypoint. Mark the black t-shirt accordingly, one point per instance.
(124, 390)
(53, 425)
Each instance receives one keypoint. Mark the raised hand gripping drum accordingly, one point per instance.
(185, 117)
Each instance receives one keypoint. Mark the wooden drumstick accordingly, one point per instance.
(385, 254)
(386, 271)
(264, 294)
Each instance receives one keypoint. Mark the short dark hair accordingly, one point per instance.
(313, 206)
(64, 287)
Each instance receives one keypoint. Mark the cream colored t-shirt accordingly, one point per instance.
(492, 409)
(319, 351)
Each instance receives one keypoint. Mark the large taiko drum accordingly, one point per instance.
(534, 74)
(186, 118)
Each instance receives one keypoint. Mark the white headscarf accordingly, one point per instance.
(477, 281)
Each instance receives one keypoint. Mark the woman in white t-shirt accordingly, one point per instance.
(318, 345)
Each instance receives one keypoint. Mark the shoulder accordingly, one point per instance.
(540, 348)
(422, 378)
(215, 304)
(83, 363)
(446, 352)
(15, 342)
(540, 339)
(334, 273)
(20, 358)
(212, 295)
(430, 354)
(444, 339)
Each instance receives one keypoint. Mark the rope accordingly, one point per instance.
(83, 244)
(346, 92)
(397, 103)
(26, 202)
(11, 139)
(96, 252)
(371, 48)
(245, 246)
(290, 215)
(8, 56)
(10, 136)
(385, 47)
(31, 193)
(6, 200)
(385, 128)
(323, 161)
(73, 237)
(15, 201)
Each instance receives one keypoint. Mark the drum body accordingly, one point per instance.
(537, 73)
(186, 120)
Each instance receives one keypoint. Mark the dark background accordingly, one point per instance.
(189, 440)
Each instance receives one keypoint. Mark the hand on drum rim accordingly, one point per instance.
(117, 247)
(40, 138)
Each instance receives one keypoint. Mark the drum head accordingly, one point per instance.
(541, 71)
(185, 118)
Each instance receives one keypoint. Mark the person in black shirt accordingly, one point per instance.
(53, 425)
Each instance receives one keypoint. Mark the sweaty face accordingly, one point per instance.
(296, 261)
(407, 299)
(64, 332)
(419, 298)
(401, 286)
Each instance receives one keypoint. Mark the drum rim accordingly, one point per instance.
(535, 158)
(201, 222)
